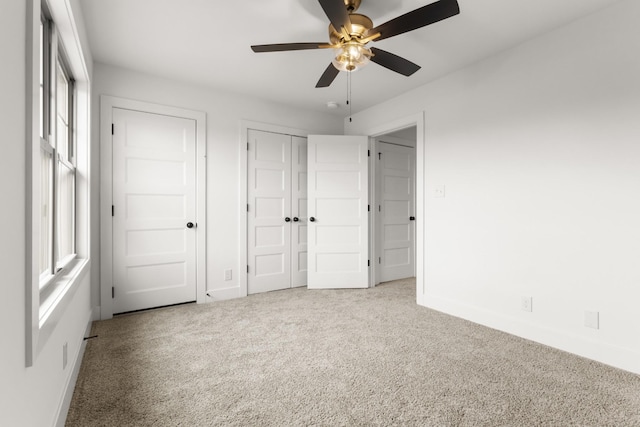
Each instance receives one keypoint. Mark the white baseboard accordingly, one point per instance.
(223, 294)
(618, 357)
(63, 410)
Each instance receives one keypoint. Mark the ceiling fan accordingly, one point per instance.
(350, 32)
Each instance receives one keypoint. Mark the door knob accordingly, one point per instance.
(296, 219)
(312, 219)
(287, 219)
(189, 225)
(412, 218)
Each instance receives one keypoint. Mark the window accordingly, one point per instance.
(57, 170)
(57, 163)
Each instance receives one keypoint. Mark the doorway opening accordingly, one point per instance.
(377, 128)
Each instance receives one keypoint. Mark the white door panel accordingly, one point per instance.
(154, 196)
(299, 212)
(269, 204)
(338, 215)
(396, 186)
(277, 184)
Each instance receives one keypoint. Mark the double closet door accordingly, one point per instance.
(277, 211)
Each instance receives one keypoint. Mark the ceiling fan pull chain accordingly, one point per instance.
(349, 94)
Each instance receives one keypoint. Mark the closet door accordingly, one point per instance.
(269, 212)
(338, 215)
(299, 211)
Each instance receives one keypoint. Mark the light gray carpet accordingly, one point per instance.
(336, 358)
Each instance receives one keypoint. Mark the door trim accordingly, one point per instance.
(245, 125)
(107, 103)
(417, 120)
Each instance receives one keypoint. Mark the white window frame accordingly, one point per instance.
(55, 61)
(49, 293)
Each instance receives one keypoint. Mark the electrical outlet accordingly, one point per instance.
(592, 319)
(526, 304)
(228, 274)
(438, 191)
(64, 356)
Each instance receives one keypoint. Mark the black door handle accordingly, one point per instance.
(295, 219)
(412, 218)
(312, 219)
(287, 219)
(189, 225)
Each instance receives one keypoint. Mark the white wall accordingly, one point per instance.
(538, 148)
(28, 396)
(224, 114)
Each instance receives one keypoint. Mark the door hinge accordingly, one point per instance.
(379, 260)
(113, 210)
(379, 156)
(113, 129)
(379, 208)
(368, 208)
(113, 292)
(368, 153)
(368, 263)
(247, 146)
(247, 207)
(247, 268)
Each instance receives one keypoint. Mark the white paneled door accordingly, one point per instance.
(338, 212)
(299, 211)
(396, 211)
(154, 210)
(277, 223)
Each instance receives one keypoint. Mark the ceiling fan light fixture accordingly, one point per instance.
(351, 56)
(350, 32)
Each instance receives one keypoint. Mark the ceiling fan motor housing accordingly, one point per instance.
(360, 24)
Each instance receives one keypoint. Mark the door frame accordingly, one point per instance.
(243, 189)
(374, 131)
(107, 103)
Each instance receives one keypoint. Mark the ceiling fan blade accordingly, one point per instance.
(393, 62)
(281, 47)
(337, 13)
(418, 18)
(328, 76)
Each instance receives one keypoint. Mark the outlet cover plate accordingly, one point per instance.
(65, 356)
(592, 319)
(527, 304)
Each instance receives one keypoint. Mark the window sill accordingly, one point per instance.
(49, 282)
(59, 293)
(50, 307)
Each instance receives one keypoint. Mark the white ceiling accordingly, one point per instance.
(207, 42)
